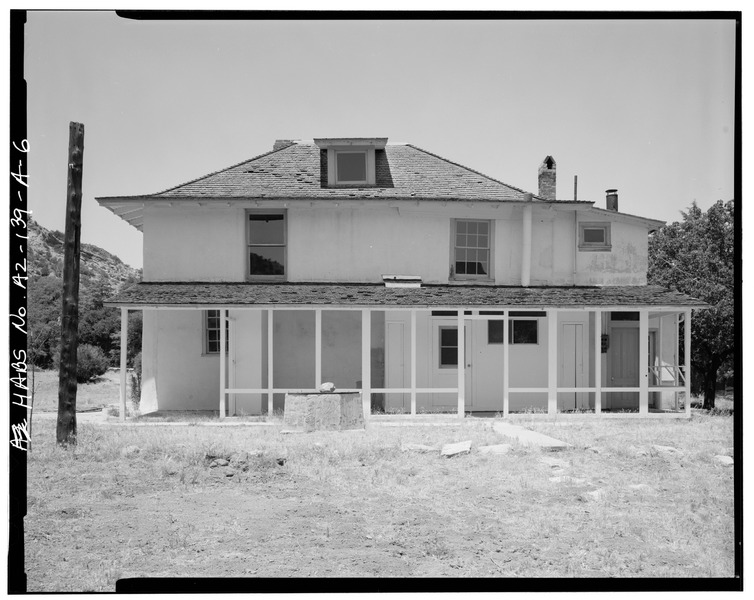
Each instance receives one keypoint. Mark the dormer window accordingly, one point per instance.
(350, 161)
(350, 166)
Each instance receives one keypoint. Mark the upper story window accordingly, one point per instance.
(594, 237)
(266, 245)
(351, 161)
(350, 166)
(471, 249)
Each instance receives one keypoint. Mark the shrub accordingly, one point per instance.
(91, 362)
(136, 381)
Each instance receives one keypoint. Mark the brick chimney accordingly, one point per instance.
(280, 144)
(547, 179)
(612, 200)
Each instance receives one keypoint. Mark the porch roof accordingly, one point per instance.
(201, 294)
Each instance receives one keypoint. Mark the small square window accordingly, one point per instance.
(524, 331)
(351, 167)
(495, 332)
(594, 237)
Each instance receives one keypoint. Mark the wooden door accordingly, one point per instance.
(624, 366)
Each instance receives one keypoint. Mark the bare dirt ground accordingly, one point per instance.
(145, 501)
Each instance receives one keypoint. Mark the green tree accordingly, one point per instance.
(696, 257)
(43, 306)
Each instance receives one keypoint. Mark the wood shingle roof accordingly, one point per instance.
(377, 295)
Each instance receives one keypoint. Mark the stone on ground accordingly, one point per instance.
(567, 479)
(417, 448)
(457, 448)
(554, 462)
(724, 460)
(130, 451)
(529, 438)
(666, 449)
(598, 494)
(641, 487)
(495, 449)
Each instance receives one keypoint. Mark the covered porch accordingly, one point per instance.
(510, 351)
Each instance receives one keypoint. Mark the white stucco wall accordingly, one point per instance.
(183, 243)
(360, 244)
(625, 264)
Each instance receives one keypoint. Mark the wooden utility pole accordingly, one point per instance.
(69, 340)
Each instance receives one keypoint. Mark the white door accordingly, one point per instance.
(572, 366)
(446, 360)
(624, 366)
(484, 366)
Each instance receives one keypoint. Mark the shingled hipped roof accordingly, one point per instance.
(377, 295)
(299, 170)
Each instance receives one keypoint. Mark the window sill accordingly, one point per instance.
(595, 248)
(461, 280)
(266, 279)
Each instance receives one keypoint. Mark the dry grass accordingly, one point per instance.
(356, 504)
(98, 394)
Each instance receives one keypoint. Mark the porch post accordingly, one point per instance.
(687, 359)
(366, 362)
(598, 361)
(552, 361)
(123, 361)
(506, 383)
(413, 361)
(270, 362)
(461, 364)
(222, 363)
(317, 347)
(643, 361)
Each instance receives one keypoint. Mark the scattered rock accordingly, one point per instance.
(641, 487)
(554, 462)
(495, 449)
(221, 462)
(666, 449)
(327, 387)
(642, 452)
(130, 451)
(598, 494)
(417, 448)
(229, 472)
(595, 449)
(724, 460)
(567, 479)
(170, 468)
(457, 448)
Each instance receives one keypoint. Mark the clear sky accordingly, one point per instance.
(642, 106)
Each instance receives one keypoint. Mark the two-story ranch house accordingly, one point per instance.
(387, 269)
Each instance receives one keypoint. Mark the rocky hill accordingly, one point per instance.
(46, 252)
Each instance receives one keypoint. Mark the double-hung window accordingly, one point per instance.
(266, 241)
(212, 332)
(471, 249)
